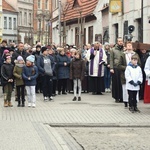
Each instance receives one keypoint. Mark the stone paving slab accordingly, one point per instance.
(33, 128)
(100, 110)
(27, 135)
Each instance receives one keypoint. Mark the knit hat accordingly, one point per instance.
(43, 49)
(31, 58)
(6, 51)
(106, 43)
(19, 58)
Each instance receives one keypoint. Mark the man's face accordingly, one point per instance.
(120, 42)
(129, 47)
(96, 46)
(21, 47)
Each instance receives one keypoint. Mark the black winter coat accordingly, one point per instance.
(6, 73)
(18, 53)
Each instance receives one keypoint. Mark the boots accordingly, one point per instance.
(18, 103)
(136, 109)
(125, 104)
(10, 104)
(23, 103)
(74, 99)
(79, 98)
(131, 109)
(5, 104)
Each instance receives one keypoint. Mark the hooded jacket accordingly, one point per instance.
(17, 72)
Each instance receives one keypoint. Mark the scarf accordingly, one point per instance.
(100, 60)
(92, 62)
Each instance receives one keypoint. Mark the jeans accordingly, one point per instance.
(107, 77)
(77, 83)
(31, 94)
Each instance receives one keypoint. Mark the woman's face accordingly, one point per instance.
(50, 51)
(77, 56)
(62, 52)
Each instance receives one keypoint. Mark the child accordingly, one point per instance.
(77, 69)
(20, 87)
(133, 75)
(30, 73)
(7, 80)
(124, 60)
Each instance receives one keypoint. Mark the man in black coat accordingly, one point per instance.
(19, 52)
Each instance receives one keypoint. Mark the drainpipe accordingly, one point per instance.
(141, 21)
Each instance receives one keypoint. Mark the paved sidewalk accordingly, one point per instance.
(33, 128)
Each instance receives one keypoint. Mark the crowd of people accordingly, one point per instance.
(97, 68)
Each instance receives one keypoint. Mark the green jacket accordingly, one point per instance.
(17, 72)
(115, 54)
(123, 64)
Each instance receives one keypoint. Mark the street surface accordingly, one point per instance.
(95, 123)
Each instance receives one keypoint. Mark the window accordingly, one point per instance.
(55, 4)
(125, 28)
(46, 26)
(25, 19)
(20, 18)
(14, 24)
(90, 35)
(10, 23)
(5, 22)
(46, 4)
(39, 25)
(116, 31)
(30, 21)
(39, 4)
(139, 27)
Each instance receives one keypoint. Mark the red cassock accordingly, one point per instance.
(147, 93)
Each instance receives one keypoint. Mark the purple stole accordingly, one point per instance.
(92, 62)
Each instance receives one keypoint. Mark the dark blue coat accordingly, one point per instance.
(40, 64)
(63, 71)
(31, 72)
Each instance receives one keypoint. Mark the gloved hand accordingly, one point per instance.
(139, 82)
(133, 83)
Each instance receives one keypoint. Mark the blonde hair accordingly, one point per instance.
(60, 49)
